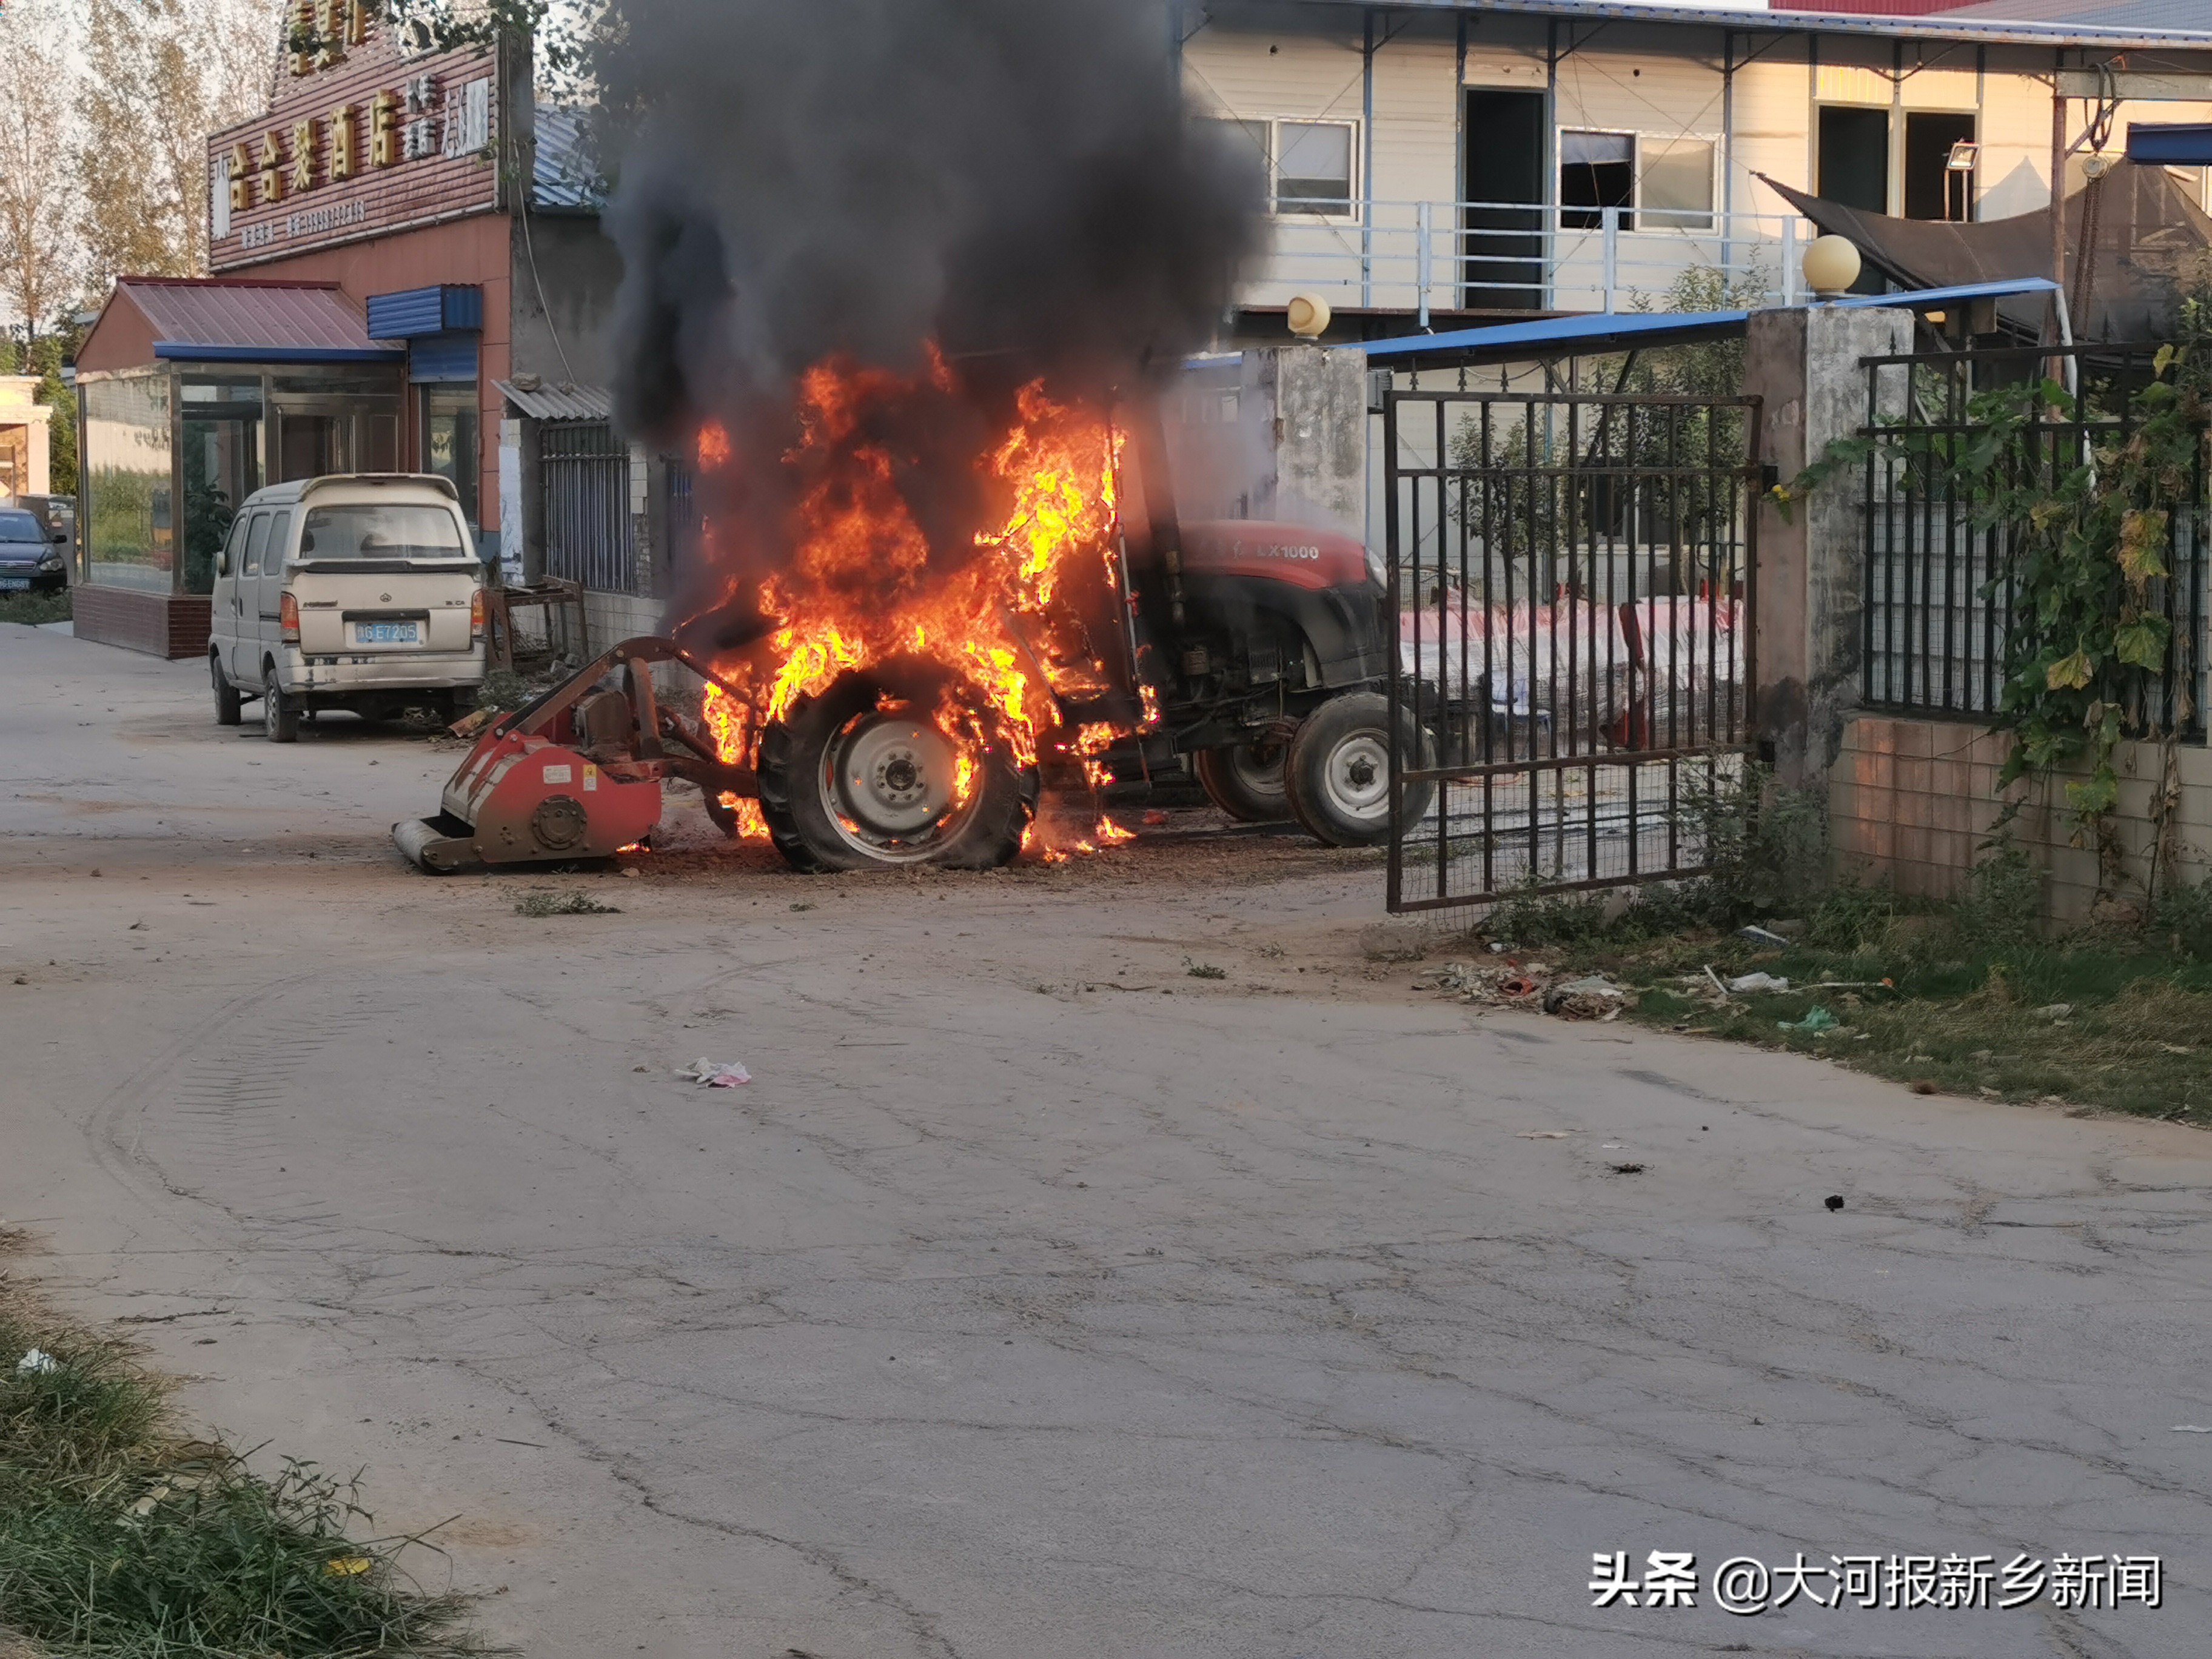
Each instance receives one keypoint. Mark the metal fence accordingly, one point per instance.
(682, 512)
(1573, 594)
(1939, 579)
(1516, 256)
(589, 538)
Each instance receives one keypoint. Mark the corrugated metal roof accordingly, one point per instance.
(274, 322)
(1975, 25)
(560, 402)
(564, 177)
(2193, 14)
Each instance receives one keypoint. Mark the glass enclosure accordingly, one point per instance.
(171, 450)
(129, 531)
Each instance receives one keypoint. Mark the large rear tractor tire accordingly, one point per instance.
(863, 777)
(1245, 779)
(1338, 776)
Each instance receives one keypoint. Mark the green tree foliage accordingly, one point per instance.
(45, 358)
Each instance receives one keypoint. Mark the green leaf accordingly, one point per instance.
(2162, 359)
(2072, 672)
(2094, 795)
(2141, 643)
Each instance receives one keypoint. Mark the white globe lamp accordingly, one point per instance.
(1832, 265)
(1308, 316)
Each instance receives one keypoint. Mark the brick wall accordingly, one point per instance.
(1912, 804)
(171, 625)
(610, 618)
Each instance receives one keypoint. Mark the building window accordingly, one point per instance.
(1669, 181)
(1307, 165)
(1677, 180)
(1597, 170)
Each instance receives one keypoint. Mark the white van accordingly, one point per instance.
(360, 591)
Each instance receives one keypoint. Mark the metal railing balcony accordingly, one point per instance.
(1418, 257)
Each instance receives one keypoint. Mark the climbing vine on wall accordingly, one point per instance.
(2087, 509)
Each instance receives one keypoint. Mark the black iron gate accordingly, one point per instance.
(585, 466)
(1573, 580)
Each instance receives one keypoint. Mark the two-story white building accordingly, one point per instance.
(1455, 158)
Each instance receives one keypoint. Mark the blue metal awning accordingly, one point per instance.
(443, 308)
(2171, 143)
(1608, 330)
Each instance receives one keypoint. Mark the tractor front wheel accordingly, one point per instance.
(1245, 779)
(1338, 775)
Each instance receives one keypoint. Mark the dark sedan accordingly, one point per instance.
(29, 560)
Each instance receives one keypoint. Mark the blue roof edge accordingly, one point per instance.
(255, 354)
(1629, 325)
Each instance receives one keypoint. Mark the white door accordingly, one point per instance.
(222, 603)
(245, 605)
(272, 586)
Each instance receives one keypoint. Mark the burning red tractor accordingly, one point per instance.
(906, 683)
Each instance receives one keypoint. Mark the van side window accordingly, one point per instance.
(226, 565)
(280, 544)
(256, 540)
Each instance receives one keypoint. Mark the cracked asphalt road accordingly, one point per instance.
(1037, 1298)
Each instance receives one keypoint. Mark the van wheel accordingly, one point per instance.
(228, 704)
(280, 721)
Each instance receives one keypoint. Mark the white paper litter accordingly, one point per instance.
(715, 1073)
(38, 1360)
(2191, 1428)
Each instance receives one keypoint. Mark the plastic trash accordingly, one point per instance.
(1760, 936)
(1817, 1019)
(715, 1073)
(1744, 982)
(2191, 1428)
(1590, 998)
(37, 1362)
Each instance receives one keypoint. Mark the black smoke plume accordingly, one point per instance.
(1017, 181)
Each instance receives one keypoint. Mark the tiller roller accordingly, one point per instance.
(577, 773)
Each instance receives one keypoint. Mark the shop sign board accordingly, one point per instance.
(366, 136)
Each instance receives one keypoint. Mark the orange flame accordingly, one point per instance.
(858, 586)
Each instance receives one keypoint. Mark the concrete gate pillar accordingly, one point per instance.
(1805, 364)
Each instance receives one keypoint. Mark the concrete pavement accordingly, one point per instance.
(1037, 1298)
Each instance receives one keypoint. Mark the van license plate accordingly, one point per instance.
(386, 633)
(14, 584)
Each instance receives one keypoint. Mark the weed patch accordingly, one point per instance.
(120, 1538)
(1973, 1004)
(32, 609)
(542, 902)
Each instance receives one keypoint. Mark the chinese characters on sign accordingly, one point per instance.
(375, 130)
(322, 30)
(1745, 1585)
(414, 123)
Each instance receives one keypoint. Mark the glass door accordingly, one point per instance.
(317, 436)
